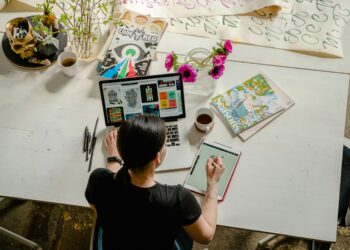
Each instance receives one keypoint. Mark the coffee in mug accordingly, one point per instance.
(68, 63)
(204, 120)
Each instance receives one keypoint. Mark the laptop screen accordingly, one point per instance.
(161, 95)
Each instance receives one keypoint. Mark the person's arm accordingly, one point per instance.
(110, 143)
(93, 188)
(92, 206)
(203, 229)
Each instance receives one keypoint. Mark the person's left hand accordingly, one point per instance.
(110, 143)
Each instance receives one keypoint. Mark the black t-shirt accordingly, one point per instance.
(139, 218)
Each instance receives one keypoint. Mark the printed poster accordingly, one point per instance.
(130, 51)
(309, 26)
(189, 8)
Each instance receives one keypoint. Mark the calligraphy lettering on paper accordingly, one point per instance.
(307, 25)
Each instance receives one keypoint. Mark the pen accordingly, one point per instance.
(93, 142)
(85, 139)
(93, 136)
(88, 138)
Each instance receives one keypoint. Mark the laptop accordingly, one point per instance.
(161, 95)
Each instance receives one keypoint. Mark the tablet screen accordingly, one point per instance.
(198, 178)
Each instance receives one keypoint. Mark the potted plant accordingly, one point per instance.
(45, 29)
(81, 20)
(48, 18)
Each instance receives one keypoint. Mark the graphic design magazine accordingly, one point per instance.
(248, 103)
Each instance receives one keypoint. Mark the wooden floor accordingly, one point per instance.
(67, 227)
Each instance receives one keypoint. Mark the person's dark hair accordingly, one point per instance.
(139, 141)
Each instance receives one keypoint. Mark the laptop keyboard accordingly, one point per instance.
(172, 136)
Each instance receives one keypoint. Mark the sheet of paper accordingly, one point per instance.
(309, 26)
(187, 8)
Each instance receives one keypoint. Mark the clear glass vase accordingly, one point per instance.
(204, 85)
(86, 47)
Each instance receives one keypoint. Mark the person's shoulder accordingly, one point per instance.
(181, 189)
(170, 188)
(179, 197)
(99, 180)
(101, 173)
(173, 192)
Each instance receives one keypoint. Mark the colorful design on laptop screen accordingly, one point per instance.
(159, 95)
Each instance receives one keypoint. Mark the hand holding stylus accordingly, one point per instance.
(214, 169)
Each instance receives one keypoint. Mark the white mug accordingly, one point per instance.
(204, 120)
(68, 62)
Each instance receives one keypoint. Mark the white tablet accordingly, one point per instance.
(197, 179)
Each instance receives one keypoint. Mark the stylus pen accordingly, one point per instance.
(215, 166)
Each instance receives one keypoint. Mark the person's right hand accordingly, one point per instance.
(214, 168)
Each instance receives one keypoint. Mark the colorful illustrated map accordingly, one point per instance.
(248, 103)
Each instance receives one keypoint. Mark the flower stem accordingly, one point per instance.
(206, 60)
(202, 63)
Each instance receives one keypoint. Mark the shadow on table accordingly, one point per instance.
(195, 137)
(94, 91)
(57, 81)
(6, 65)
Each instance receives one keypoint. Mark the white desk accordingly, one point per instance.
(286, 182)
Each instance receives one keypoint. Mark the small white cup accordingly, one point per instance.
(204, 120)
(68, 62)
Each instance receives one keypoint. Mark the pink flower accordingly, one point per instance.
(228, 46)
(169, 61)
(189, 73)
(217, 71)
(219, 59)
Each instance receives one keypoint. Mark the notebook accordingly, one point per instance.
(287, 102)
(197, 179)
(247, 104)
(161, 95)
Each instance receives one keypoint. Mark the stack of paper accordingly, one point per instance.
(132, 46)
(250, 106)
